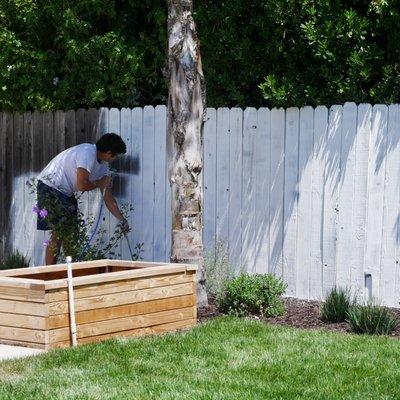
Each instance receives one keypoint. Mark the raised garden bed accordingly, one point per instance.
(112, 298)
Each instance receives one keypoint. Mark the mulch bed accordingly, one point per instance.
(299, 313)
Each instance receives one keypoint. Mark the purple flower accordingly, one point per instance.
(43, 213)
(36, 209)
(46, 243)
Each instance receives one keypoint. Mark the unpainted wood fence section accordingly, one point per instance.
(311, 195)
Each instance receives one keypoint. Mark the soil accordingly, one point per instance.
(299, 313)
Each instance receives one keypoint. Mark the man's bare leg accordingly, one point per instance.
(52, 249)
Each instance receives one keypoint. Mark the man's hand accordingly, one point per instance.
(125, 228)
(104, 182)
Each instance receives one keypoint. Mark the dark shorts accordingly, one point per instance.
(59, 207)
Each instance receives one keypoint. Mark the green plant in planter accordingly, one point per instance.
(252, 294)
(372, 319)
(336, 305)
(15, 260)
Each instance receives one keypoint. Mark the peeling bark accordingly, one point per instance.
(186, 116)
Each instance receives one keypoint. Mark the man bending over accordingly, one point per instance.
(80, 168)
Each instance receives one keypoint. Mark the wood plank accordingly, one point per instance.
(114, 126)
(116, 299)
(210, 181)
(248, 188)
(22, 294)
(102, 288)
(223, 185)
(276, 191)
(160, 166)
(59, 132)
(22, 334)
(15, 233)
(137, 179)
(331, 198)
(29, 196)
(124, 172)
(360, 195)
(152, 330)
(346, 199)
(70, 129)
(116, 276)
(262, 194)
(80, 116)
(48, 137)
(304, 212)
(320, 139)
(105, 314)
(148, 183)
(53, 268)
(121, 324)
(376, 186)
(22, 307)
(23, 321)
(235, 189)
(390, 271)
(290, 197)
(9, 176)
(23, 344)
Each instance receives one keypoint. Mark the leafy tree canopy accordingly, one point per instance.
(57, 54)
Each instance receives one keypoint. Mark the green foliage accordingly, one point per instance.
(74, 231)
(371, 319)
(64, 55)
(336, 305)
(90, 53)
(15, 260)
(252, 294)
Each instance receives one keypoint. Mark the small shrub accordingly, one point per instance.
(15, 260)
(336, 305)
(252, 294)
(372, 319)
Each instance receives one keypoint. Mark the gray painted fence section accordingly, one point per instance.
(311, 195)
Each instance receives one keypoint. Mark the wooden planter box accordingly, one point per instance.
(112, 298)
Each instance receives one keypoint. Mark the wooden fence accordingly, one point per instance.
(311, 195)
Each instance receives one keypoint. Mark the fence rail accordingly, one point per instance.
(311, 195)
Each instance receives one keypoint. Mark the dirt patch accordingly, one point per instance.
(299, 313)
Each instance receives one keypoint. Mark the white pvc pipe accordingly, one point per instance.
(72, 323)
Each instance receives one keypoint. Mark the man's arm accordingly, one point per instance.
(112, 205)
(83, 183)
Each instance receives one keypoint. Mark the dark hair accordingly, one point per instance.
(111, 142)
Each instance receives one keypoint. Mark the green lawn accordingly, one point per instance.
(227, 358)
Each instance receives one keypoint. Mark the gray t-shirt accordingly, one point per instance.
(61, 171)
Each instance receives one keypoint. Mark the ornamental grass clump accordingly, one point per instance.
(371, 319)
(252, 295)
(15, 260)
(336, 305)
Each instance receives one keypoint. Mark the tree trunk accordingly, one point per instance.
(186, 116)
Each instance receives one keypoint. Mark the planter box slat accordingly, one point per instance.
(122, 324)
(112, 298)
(152, 330)
(23, 321)
(98, 289)
(117, 299)
(22, 307)
(103, 314)
(22, 294)
(26, 335)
